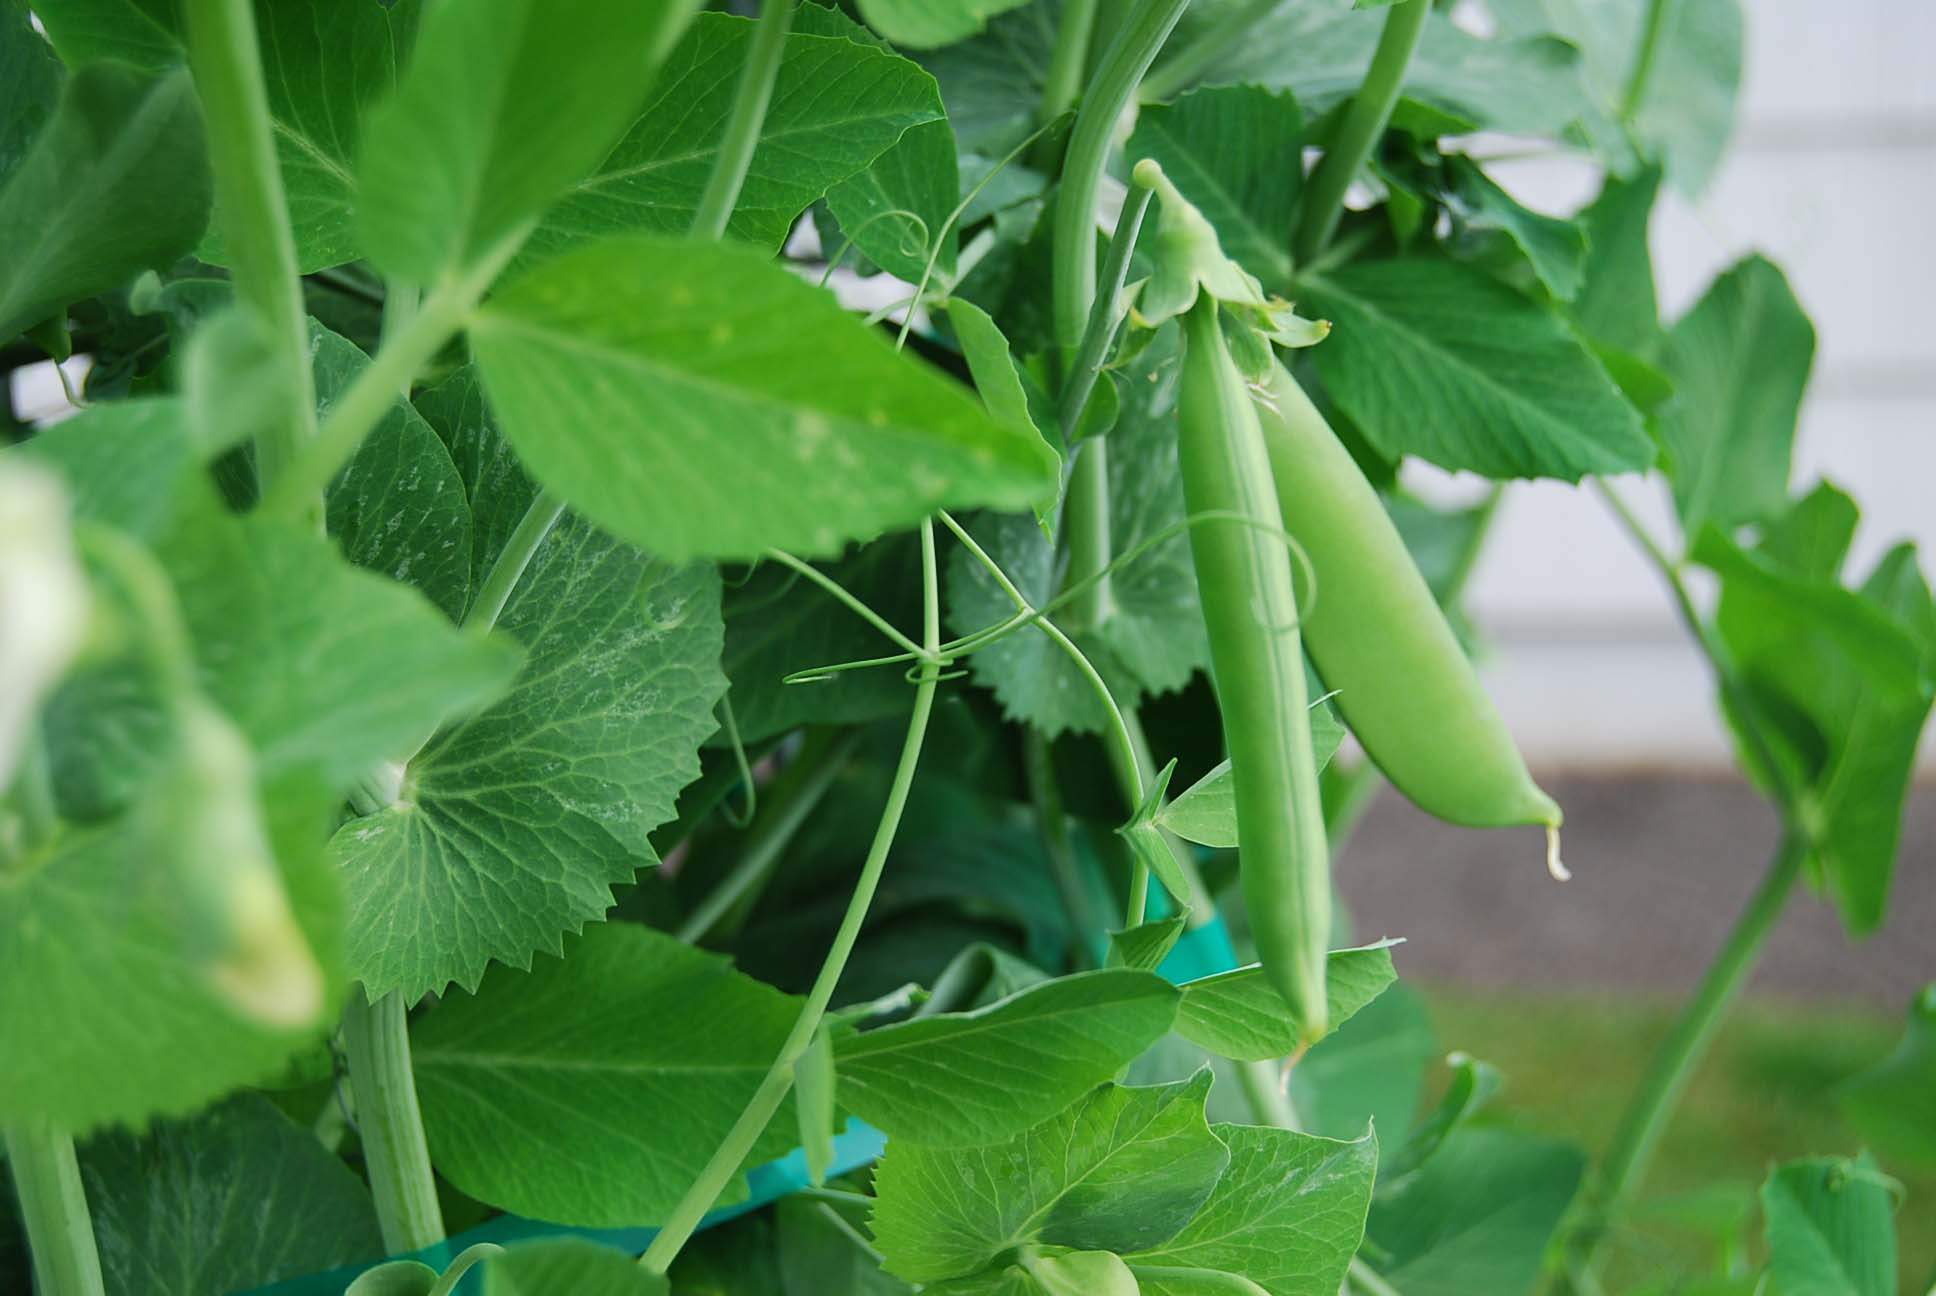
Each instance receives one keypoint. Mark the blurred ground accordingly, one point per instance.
(1661, 865)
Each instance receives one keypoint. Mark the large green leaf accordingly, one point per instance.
(1120, 1169)
(1616, 304)
(837, 105)
(323, 63)
(1554, 248)
(1239, 1015)
(956, 1079)
(1739, 360)
(1831, 1228)
(1477, 1218)
(992, 83)
(513, 826)
(398, 507)
(1288, 1214)
(116, 182)
(924, 24)
(1320, 51)
(698, 399)
(554, 1092)
(1236, 152)
(505, 104)
(1852, 666)
(1893, 1103)
(568, 1267)
(234, 1198)
(1437, 359)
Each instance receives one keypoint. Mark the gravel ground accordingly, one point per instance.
(1661, 866)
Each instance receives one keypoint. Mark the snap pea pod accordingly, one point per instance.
(1250, 612)
(1378, 637)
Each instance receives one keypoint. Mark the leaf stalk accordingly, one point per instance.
(53, 1207)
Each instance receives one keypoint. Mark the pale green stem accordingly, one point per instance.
(1364, 121)
(1270, 1101)
(53, 1209)
(1039, 765)
(1367, 1280)
(1184, 69)
(732, 1153)
(1644, 59)
(800, 789)
(376, 1040)
(374, 393)
(1085, 528)
(853, 604)
(1069, 60)
(400, 302)
(254, 216)
(1111, 91)
(512, 560)
(750, 100)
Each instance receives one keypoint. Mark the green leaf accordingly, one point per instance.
(1477, 1218)
(182, 1209)
(1687, 113)
(505, 104)
(514, 825)
(813, 1089)
(823, 1249)
(1513, 392)
(116, 183)
(955, 1079)
(836, 107)
(1238, 1015)
(1288, 1214)
(547, 1092)
(1893, 1103)
(698, 399)
(1616, 304)
(398, 507)
(925, 24)
(30, 82)
(992, 364)
(992, 83)
(896, 209)
(568, 1267)
(397, 1278)
(1235, 152)
(1206, 812)
(1144, 948)
(495, 483)
(1162, 1280)
(1554, 248)
(93, 931)
(1121, 1168)
(1320, 52)
(1474, 1084)
(1831, 1228)
(1852, 667)
(1739, 360)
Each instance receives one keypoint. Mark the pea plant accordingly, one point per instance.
(546, 750)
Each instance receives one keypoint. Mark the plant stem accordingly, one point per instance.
(1367, 1280)
(1270, 1103)
(1129, 56)
(1069, 61)
(374, 393)
(1181, 71)
(1038, 764)
(53, 1207)
(1364, 121)
(1105, 317)
(509, 567)
(1085, 528)
(225, 57)
(732, 1153)
(798, 791)
(750, 102)
(376, 1039)
(1673, 1065)
(1644, 58)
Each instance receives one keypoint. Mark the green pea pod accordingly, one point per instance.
(1250, 611)
(1378, 637)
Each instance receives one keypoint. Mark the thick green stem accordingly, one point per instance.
(798, 791)
(1364, 121)
(1673, 1066)
(1181, 71)
(1644, 57)
(732, 1153)
(53, 1207)
(1085, 528)
(1114, 86)
(374, 393)
(376, 1039)
(1270, 1101)
(1069, 61)
(750, 102)
(254, 217)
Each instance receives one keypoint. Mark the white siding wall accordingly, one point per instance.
(1833, 174)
